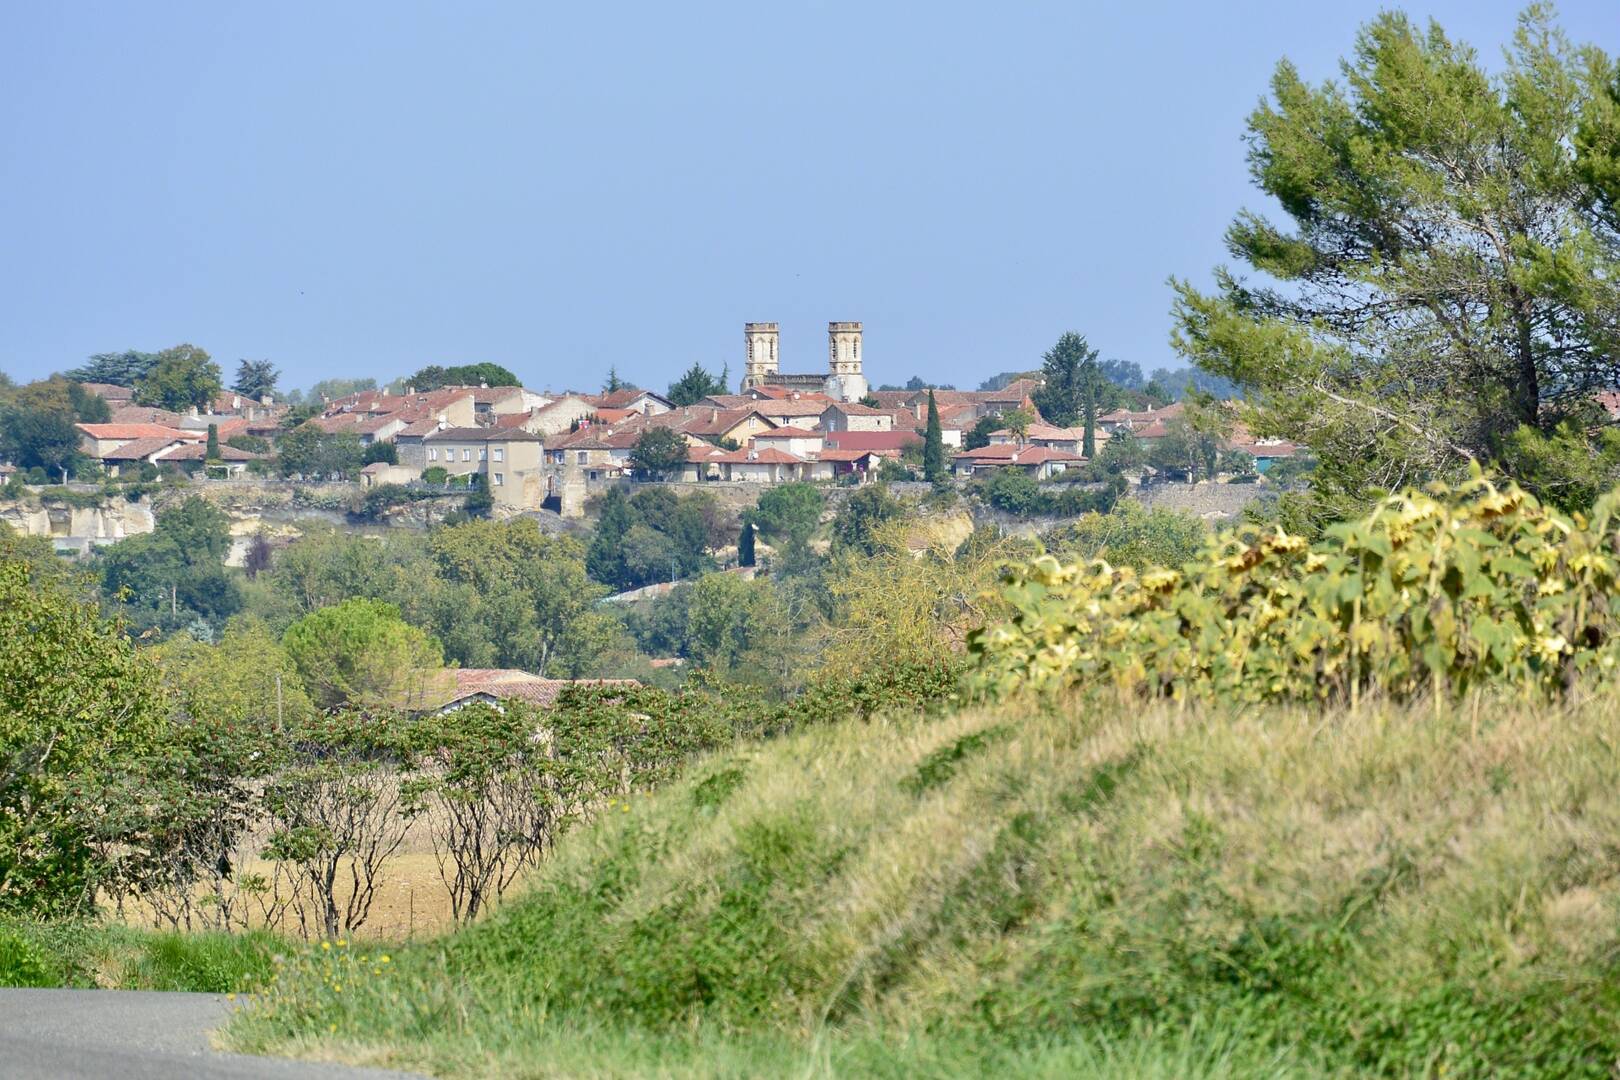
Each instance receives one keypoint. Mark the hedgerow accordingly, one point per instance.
(1437, 592)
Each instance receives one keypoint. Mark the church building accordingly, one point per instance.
(843, 380)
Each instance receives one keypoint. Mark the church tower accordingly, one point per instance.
(761, 364)
(844, 379)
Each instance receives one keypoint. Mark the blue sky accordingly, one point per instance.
(362, 188)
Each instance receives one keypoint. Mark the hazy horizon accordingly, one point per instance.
(367, 190)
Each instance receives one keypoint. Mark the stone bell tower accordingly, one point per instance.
(761, 363)
(844, 379)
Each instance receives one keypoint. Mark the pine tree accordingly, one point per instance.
(934, 445)
(745, 545)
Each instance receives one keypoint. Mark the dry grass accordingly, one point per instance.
(1392, 890)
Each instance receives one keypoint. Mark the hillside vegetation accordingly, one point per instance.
(1068, 889)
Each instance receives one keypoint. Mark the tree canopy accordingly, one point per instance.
(361, 652)
(125, 368)
(255, 379)
(1072, 379)
(695, 385)
(434, 377)
(1448, 270)
(659, 453)
(182, 378)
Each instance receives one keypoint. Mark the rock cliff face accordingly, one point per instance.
(79, 528)
(281, 510)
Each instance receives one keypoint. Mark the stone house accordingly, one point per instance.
(765, 466)
(509, 460)
(98, 439)
(645, 402)
(800, 442)
(1041, 462)
(843, 416)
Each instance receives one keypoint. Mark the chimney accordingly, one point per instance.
(385, 391)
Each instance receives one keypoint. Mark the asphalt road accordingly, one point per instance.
(134, 1035)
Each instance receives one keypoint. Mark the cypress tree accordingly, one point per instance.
(1089, 448)
(934, 445)
(212, 453)
(745, 545)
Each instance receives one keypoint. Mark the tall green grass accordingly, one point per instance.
(1084, 889)
(90, 955)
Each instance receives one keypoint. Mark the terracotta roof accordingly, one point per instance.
(729, 401)
(137, 449)
(359, 423)
(1155, 430)
(767, 456)
(872, 440)
(791, 408)
(512, 684)
(481, 434)
(110, 391)
(1143, 416)
(199, 451)
(379, 402)
(835, 453)
(144, 414)
(1012, 454)
(618, 399)
(787, 393)
(137, 431)
(1016, 390)
(488, 395)
(790, 433)
(699, 455)
(1610, 402)
(417, 429)
(1053, 434)
(851, 408)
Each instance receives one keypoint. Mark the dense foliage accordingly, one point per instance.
(1441, 592)
(1450, 266)
(78, 707)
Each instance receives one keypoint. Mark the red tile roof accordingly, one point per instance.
(144, 414)
(137, 431)
(199, 451)
(834, 453)
(790, 433)
(872, 440)
(511, 684)
(855, 408)
(767, 456)
(800, 407)
(138, 449)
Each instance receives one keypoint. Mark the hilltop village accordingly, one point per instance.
(532, 449)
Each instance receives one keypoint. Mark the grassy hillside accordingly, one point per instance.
(1071, 891)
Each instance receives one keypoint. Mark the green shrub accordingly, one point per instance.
(1429, 593)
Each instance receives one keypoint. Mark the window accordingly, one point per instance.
(500, 453)
(482, 453)
(466, 454)
(433, 455)
(499, 479)
(583, 455)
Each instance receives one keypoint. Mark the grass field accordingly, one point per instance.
(1065, 891)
